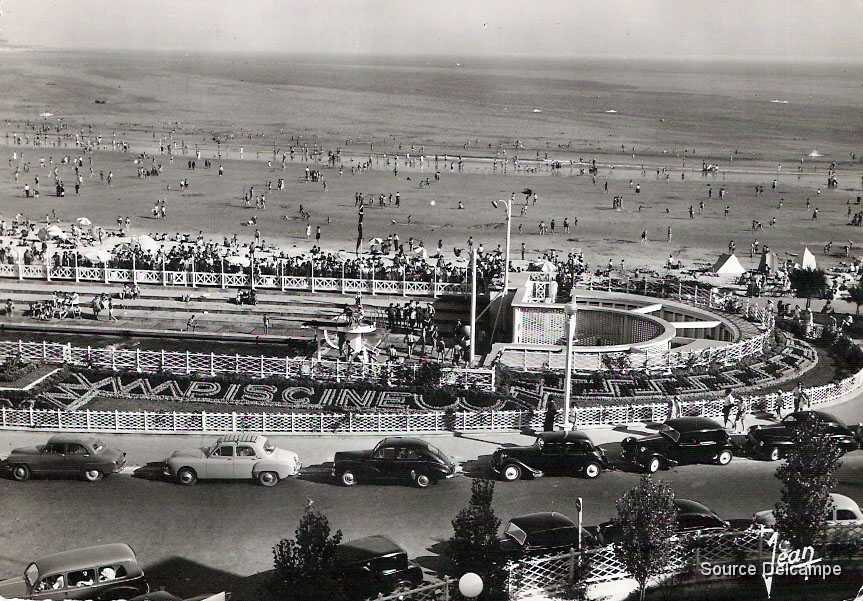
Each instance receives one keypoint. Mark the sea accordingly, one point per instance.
(475, 106)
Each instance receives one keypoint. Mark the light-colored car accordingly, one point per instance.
(234, 457)
(844, 510)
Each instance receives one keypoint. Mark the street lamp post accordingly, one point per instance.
(571, 312)
(508, 205)
(472, 308)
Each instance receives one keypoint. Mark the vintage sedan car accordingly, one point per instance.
(101, 573)
(234, 457)
(843, 511)
(564, 453)
(396, 459)
(374, 565)
(66, 455)
(692, 516)
(681, 440)
(540, 533)
(772, 441)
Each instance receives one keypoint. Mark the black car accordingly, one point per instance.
(553, 453)
(772, 441)
(681, 440)
(539, 533)
(376, 564)
(395, 459)
(691, 516)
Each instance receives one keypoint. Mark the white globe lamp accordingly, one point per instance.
(470, 585)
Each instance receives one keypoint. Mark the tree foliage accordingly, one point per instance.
(809, 283)
(647, 517)
(855, 295)
(474, 546)
(305, 565)
(807, 478)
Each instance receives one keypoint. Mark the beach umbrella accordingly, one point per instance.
(238, 261)
(95, 255)
(527, 191)
(146, 243)
(84, 222)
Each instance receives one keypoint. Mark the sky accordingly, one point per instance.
(723, 29)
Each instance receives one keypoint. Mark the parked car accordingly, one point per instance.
(681, 440)
(395, 459)
(691, 516)
(540, 533)
(772, 441)
(843, 510)
(237, 457)
(376, 564)
(100, 573)
(565, 453)
(66, 455)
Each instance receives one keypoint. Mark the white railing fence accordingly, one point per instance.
(256, 366)
(555, 574)
(163, 422)
(406, 286)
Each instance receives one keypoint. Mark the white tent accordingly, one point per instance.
(808, 259)
(728, 265)
(84, 222)
(769, 262)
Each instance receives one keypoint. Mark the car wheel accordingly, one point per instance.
(511, 473)
(21, 473)
(773, 454)
(187, 476)
(92, 475)
(422, 480)
(592, 470)
(653, 465)
(724, 458)
(348, 478)
(268, 478)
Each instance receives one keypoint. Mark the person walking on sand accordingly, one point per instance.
(308, 231)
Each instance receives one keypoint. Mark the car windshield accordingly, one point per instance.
(31, 575)
(516, 533)
(436, 452)
(670, 433)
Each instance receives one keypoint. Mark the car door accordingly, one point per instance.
(690, 448)
(54, 459)
(383, 464)
(220, 463)
(77, 458)
(577, 454)
(245, 460)
(552, 458)
(407, 461)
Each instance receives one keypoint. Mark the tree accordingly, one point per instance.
(474, 546)
(807, 477)
(855, 295)
(305, 565)
(647, 517)
(808, 283)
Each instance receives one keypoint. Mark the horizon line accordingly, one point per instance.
(776, 59)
